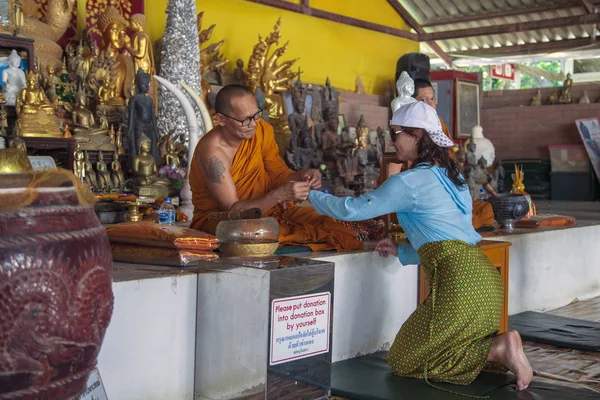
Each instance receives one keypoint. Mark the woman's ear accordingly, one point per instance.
(420, 132)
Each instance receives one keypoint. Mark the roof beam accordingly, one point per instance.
(528, 48)
(502, 14)
(511, 28)
(589, 7)
(403, 13)
(342, 19)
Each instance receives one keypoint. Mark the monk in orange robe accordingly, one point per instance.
(237, 166)
(483, 215)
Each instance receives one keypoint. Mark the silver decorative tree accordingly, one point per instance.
(179, 61)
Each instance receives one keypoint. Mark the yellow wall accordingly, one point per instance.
(325, 48)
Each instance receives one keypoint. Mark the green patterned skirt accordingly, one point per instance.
(449, 336)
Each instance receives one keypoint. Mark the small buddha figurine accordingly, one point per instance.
(406, 88)
(79, 164)
(83, 119)
(13, 78)
(67, 133)
(145, 172)
(142, 120)
(104, 180)
(141, 45)
(113, 135)
(117, 175)
(585, 99)
(3, 117)
(79, 65)
(239, 74)
(119, 142)
(35, 115)
(90, 174)
(18, 16)
(553, 99)
(302, 146)
(107, 93)
(537, 99)
(565, 94)
(50, 83)
(172, 157)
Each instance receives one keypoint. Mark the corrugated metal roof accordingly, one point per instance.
(441, 16)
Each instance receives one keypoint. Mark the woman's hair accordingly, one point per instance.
(429, 153)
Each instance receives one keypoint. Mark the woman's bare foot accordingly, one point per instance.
(508, 351)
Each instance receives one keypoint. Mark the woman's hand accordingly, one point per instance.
(386, 247)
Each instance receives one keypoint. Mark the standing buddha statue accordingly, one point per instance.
(141, 45)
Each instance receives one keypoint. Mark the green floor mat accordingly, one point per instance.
(370, 378)
(557, 331)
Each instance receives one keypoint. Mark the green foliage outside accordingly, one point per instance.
(528, 81)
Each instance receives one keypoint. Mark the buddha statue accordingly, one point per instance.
(537, 99)
(107, 93)
(145, 172)
(79, 163)
(3, 118)
(172, 156)
(113, 27)
(141, 45)
(112, 135)
(90, 174)
(142, 120)
(117, 175)
(406, 88)
(565, 94)
(103, 176)
(13, 78)
(302, 152)
(51, 81)
(35, 115)
(90, 136)
(119, 142)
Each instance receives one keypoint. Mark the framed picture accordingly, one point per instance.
(589, 129)
(467, 108)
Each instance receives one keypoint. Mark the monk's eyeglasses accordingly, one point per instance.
(247, 121)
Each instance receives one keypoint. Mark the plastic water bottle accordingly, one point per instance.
(482, 195)
(166, 213)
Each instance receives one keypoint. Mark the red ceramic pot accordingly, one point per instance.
(56, 296)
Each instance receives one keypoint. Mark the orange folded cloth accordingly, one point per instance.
(131, 253)
(256, 170)
(166, 236)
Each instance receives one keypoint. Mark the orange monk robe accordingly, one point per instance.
(483, 215)
(257, 169)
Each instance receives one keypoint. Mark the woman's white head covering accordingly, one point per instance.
(421, 115)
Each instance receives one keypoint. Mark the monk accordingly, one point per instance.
(237, 166)
(483, 215)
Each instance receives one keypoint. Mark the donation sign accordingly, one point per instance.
(299, 327)
(94, 389)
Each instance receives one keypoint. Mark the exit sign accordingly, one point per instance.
(503, 71)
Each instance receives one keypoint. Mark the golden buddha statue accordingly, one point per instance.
(86, 132)
(102, 174)
(107, 93)
(145, 172)
(90, 174)
(141, 45)
(35, 115)
(119, 142)
(172, 156)
(79, 164)
(67, 133)
(117, 175)
(113, 27)
(14, 159)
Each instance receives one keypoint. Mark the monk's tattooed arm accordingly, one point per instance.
(216, 169)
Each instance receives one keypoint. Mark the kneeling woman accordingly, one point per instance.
(454, 332)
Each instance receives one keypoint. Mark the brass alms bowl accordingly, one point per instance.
(248, 249)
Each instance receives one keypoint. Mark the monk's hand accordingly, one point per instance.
(386, 247)
(296, 190)
(313, 176)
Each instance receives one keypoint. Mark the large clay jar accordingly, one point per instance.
(56, 296)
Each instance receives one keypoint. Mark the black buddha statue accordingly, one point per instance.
(142, 120)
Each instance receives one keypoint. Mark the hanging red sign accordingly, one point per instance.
(503, 71)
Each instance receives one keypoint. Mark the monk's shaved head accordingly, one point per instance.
(226, 94)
